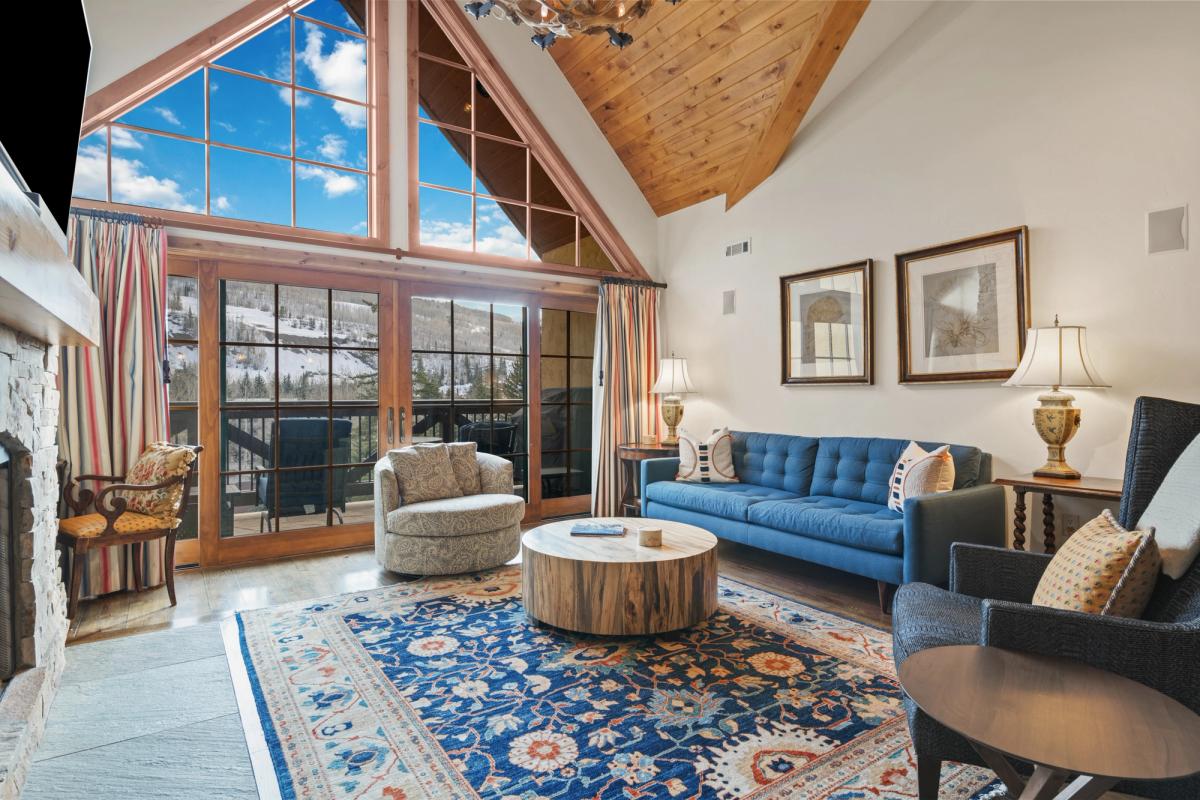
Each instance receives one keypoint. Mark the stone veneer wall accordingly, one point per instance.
(29, 413)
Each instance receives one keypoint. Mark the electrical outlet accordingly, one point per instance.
(1071, 523)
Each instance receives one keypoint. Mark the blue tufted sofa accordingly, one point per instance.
(825, 500)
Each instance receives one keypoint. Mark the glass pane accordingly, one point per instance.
(509, 372)
(328, 130)
(247, 439)
(581, 474)
(177, 109)
(304, 498)
(443, 157)
(430, 376)
(554, 427)
(553, 237)
(472, 327)
(303, 315)
(590, 252)
(472, 377)
(355, 374)
(330, 199)
(500, 168)
(430, 324)
(488, 116)
(554, 380)
(182, 307)
(302, 437)
(444, 93)
(303, 374)
(248, 313)
(356, 487)
(554, 475)
(431, 425)
(157, 171)
(335, 12)
(251, 187)
(542, 190)
(249, 374)
(355, 435)
(583, 334)
(508, 329)
(445, 219)
(432, 40)
(554, 332)
(581, 427)
(243, 510)
(581, 377)
(510, 429)
(268, 53)
(355, 319)
(520, 473)
(473, 425)
(249, 113)
(184, 386)
(331, 61)
(91, 167)
(500, 229)
(185, 429)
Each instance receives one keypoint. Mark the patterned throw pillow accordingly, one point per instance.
(918, 473)
(706, 462)
(466, 468)
(158, 462)
(424, 473)
(1102, 569)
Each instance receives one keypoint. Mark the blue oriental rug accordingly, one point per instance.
(442, 689)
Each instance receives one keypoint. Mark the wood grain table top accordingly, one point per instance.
(1101, 488)
(1056, 712)
(679, 541)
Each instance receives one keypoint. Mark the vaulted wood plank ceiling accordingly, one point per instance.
(710, 93)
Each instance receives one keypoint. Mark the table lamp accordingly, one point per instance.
(672, 382)
(1055, 358)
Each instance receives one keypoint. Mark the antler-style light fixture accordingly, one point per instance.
(551, 19)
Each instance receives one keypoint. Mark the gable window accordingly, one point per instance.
(275, 130)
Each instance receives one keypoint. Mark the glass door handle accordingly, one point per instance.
(391, 427)
(403, 416)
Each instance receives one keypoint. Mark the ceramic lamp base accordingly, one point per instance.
(1056, 421)
(672, 414)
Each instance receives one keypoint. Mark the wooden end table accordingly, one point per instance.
(1090, 488)
(614, 586)
(1065, 717)
(631, 457)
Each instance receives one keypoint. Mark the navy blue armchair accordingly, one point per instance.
(989, 603)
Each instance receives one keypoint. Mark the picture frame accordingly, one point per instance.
(827, 326)
(963, 308)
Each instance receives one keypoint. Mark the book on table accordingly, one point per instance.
(597, 529)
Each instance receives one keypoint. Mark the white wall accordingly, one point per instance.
(1072, 118)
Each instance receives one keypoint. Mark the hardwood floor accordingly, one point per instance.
(213, 594)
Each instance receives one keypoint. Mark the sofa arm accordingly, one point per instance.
(995, 572)
(654, 470)
(933, 522)
(495, 474)
(1160, 655)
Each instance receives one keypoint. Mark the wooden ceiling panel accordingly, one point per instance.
(706, 98)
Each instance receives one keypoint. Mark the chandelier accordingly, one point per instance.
(551, 19)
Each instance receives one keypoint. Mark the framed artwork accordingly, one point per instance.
(964, 308)
(827, 331)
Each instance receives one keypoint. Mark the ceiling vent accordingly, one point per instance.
(738, 248)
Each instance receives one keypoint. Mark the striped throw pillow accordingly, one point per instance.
(918, 473)
(710, 461)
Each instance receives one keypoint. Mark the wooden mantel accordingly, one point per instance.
(42, 294)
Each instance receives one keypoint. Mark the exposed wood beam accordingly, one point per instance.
(837, 22)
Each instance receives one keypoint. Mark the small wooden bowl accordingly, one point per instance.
(650, 537)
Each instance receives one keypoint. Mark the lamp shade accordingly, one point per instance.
(1057, 357)
(673, 377)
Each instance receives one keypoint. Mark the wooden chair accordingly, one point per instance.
(111, 524)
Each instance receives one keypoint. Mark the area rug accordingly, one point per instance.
(443, 689)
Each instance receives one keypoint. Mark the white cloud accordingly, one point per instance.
(335, 183)
(332, 147)
(91, 173)
(444, 233)
(124, 139)
(168, 115)
(227, 126)
(222, 203)
(498, 236)
(341, 72)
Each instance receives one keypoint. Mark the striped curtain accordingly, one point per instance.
(625, 365)
(114, 398)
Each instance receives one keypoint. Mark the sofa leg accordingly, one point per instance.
(929, 776)
(886, 592)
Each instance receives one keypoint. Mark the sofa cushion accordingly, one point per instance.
(866, 526)
(728, 500)
(457, 516)
(775, 460)
(859, 468)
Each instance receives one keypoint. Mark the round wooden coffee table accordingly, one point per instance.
(1064, 716)
(613, 585)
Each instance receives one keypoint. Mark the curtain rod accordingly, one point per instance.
(632, 282)
(118, 216)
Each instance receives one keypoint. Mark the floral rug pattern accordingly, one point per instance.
(444, 689)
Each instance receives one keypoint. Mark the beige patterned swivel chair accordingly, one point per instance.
(452, 535)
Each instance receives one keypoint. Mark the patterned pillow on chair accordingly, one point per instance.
(424, 473)
(158, 462)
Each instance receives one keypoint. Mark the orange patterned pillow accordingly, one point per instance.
(159, 461)
(1102, 569)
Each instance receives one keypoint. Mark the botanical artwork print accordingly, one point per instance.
(962, 314)
(443, 688)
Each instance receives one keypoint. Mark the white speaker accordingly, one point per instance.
(1167, 230)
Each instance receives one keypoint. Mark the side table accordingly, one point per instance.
(1090, 488)
(631, 457)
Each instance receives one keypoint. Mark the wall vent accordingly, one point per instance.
(728, 300)
(738, 248)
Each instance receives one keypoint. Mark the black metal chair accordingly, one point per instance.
(304, 442)
(989, 603)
